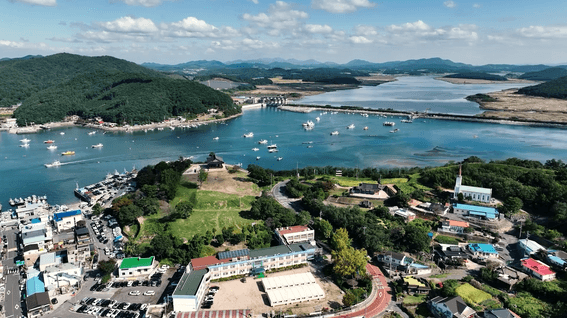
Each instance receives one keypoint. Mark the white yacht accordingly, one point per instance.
(273, 150)
(389, 123)
(62, 133)
(365, 127)
(255, 149)
(248, 135)
(263, 142)
(97, 146)
(351, 126)
(334, 133)
(52, 147)
(280, 158)
(55, 163)
(216, 138)
(408, 121)
(160, 128)
(25, 145)
(257, 158)
(272, 146)
(92, 133)
(25, 140)
(317, 119)
(308, 125)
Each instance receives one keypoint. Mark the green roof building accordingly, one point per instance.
(136, 266)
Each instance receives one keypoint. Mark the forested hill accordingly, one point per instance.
(20, 78)
(545, 75)
(477, 75)
(556, 88)
(122, 97)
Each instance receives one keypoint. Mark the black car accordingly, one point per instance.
(207, 305)
(145, 283)
(123, 284)
(135, 283)
(158, 283)
(104, 312)
(100, 288)
(94, 287)
(54, 301)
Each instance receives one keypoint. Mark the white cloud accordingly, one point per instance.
(543, 32)
(449, 4)
(318, 28)
(254, 1)
(358, 39)
(144, 3)
(129, 25)
(341, 6)
(421, 31)
(281, 16)
(477, 5)
(365, 30)
(410, 27)
(46, 3)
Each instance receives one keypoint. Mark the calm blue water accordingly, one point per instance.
(411, 93)
(433, 142)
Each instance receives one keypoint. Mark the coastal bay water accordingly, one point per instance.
(421, 143)
(412, 93)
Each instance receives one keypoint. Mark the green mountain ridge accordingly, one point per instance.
(556, 88)
(545, 75)
(477, 75)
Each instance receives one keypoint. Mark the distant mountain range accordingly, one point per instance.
(420, 65)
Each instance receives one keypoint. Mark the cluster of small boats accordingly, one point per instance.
(31, 199)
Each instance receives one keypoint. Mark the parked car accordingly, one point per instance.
(134, 293)
(149, 293)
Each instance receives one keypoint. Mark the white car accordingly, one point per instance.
(149, 293)
(130, 283)
(134, 293)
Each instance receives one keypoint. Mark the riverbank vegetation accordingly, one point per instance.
(545, 75)
(477, 75)
(556, 88)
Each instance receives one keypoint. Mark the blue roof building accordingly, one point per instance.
(477, 211)
(67, 220)
(58, 217)
(482, 250)
(34, 285)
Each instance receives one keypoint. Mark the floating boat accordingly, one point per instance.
(395, 130)
(160, 128)
(172, 127)
(68, 153)
(273, 150)
(364, 115)
(309, 146)
(25, 140)
(475, 136)
(272, 146)
(317, 119)
(307, 142)
(308, 125)
(248, 135)
(351, 126)
(62, 133)
(365, 128)
(257, 158)
(25, 145)
(52, 147)
(334, 133)
(389, 123)
(55, 163)
(92, 133)
(255, 149)
(263, 142)
(280, 158)
(216, 138)
(97, 146)
(408, 121)
(49, 141)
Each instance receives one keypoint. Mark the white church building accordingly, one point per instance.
(474, 193)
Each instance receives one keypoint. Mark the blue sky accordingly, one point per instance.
(176, 31)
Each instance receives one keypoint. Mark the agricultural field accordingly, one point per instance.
(473, 295)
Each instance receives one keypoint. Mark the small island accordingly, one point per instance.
(479, 78)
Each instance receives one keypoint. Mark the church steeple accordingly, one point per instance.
(458, 183)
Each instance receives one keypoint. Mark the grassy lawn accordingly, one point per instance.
(446, 239)
(477, 296)
(439, 276)
(405, 184)
(525, 305)
(414, 300)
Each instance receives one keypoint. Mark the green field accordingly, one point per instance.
(467, 292)
(405, 184)
(212, 210)
(414, 300)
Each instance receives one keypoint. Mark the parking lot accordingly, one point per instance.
(110, 308)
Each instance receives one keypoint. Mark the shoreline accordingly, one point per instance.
(466, 81)
(421, 115)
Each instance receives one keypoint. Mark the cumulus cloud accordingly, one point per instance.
(129, 25)
(543, 32)
(449, 4)
(365, 30)
(280, 16)
(358, 39)
(143, 3)
(66, 40)
(318, 28)
(45, 3)
(421, 31)
(341, 6)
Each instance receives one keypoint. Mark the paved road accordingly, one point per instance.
(12, 297)
(278, 191)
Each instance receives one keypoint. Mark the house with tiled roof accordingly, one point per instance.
(454, 227)
(500, 313)
(450, 307)
(482, 250)
(538, 269)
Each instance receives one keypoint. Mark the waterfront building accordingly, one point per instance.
(67, 220)
(136, 266)
(471, 193)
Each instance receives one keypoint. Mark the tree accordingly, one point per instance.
(128, 214)
(511, 205)
(107, 267)
(461, 198)
(150, 191)
(203, 175)
(340, 240)
(183, 209)
(324, 228)
(449, 287)
(220, 239)
(302, 218)
(349, 261)
(162, 245)
(349, 299)
(97, 209)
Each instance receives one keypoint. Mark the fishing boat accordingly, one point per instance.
(334, 133)
(49, 141)
(92, 133)
(24, 145)
(97, 146)
(308, 125)
(263, 142)
(273, 150)
(52, 147)
(257, 158)
(216, 138)
(280, 158)
(25, 140)
(55, 163)
(365, 127)
(172, 127)
(317, 119)
(310, 146)
(389, 123)
(68, 153)
(272, 146)
(351, 126)
(248, 135)
(255, 149)
(395, 130)
(364, 115)
(160, 128)
(407, 121)
(62, 133)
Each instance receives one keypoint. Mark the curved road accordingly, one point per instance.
(278, 191)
